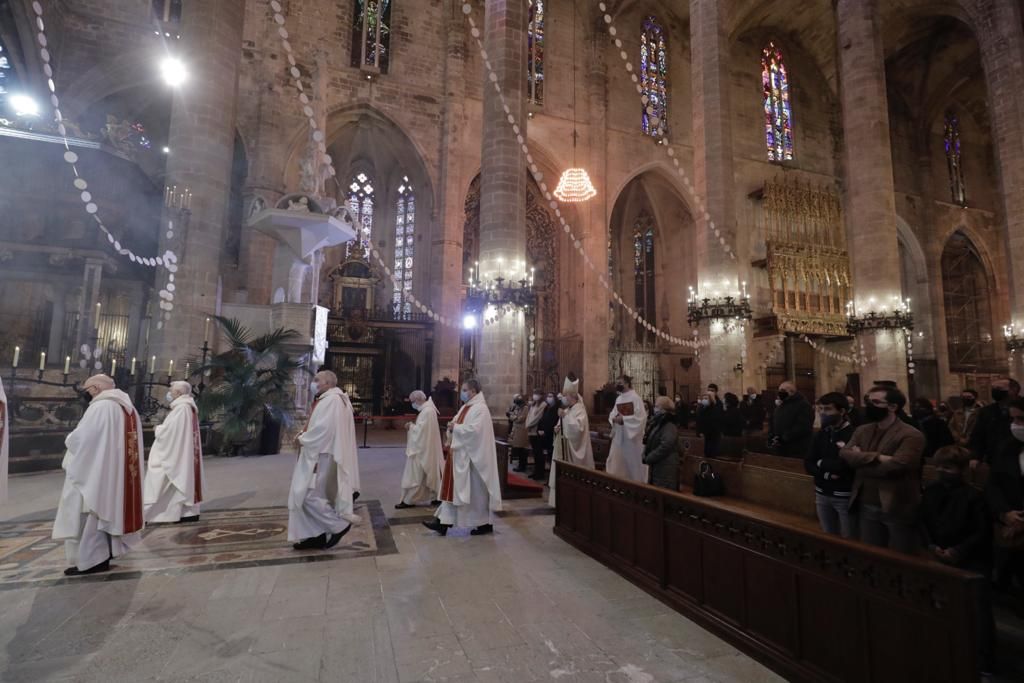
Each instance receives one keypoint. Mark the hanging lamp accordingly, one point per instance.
(574, 186)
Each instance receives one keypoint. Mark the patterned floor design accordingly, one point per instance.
(221, 539)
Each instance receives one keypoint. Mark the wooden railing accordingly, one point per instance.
(812, 607)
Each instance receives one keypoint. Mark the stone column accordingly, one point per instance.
(870, 204)
(1000, 34)
(715, 185)
(503, 195)
(202, 139)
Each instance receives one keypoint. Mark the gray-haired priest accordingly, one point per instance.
(470, 489)
(421, 479)
(100, 511)
(174, 476)
(572, 441)
(328, 435)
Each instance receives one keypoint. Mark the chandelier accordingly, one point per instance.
(897, 316)
(574, 186)
(516, 291)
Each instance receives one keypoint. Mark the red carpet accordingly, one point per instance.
(523, 487)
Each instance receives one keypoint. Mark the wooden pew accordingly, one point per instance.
(813, 607)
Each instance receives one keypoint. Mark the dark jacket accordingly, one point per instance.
(661, 452)
(709, 420)
(753, 414)
(793, 425)
(1005, 487)
(547, 425)
(990, 431)
(832, 476)
(732, 421)
(897, 481)
(954, 515)
(936, 434)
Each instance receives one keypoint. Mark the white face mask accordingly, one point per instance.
(705, 402)
(417, 407)
(551, 400)
(1017, 431)
(778, 401)
(565, 401)
(169, 397)
(314, 387)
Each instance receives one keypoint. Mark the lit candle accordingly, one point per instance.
(133, 367)
(206, 331)
(170, 369)
(113, 367)
(17, 355)
(188, 367)
(42, 360)
(67, 364)
(152, 365)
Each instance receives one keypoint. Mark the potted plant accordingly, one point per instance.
(249, 390)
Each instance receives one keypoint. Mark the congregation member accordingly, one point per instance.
(855, 416)
(752, 410)
(100, 515)
(4, 442)
(326, 459)
(518, 439)
(470, 488)
(682, 412)
(709, 423)
(546, 431)
(792, 422)
(732, 419)
(573, 429)
(886, 452)
(833, 477)
(533, 416)
(628, 420)
(955, 527)
(993, 425)
(174, 473)
(1005, 493)
(421, 478)
(661, 446)
(936, 431)
(961, 425)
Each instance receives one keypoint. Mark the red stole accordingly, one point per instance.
(3, 422)
(448, 474)
(132, 480)
(197, 456)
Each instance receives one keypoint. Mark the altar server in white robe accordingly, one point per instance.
(628, 420)
(174, 473)
(312, 522)
(100, 514)
(572, 435)
(470, 488)
(421, 479)
(5, 428)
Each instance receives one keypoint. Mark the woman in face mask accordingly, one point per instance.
(546, 431)
(661, 446)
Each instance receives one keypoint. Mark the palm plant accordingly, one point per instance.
(249, 382)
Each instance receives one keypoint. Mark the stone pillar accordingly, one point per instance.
(870, 204)
(999, 31)
(202, 139)
(715, 185)
(503, 196)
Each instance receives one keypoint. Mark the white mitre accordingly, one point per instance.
(571, 387)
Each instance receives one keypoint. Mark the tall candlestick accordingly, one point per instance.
(133, 367)
(67, 364)
(206, 331)
(188, 367)
(113, 367)
(17, 355)
(152, 365)
(42, 360)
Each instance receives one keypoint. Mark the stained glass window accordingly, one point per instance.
(535, 53)
(405, 233)
(778, 118)
(371, 35)
(360, 203)
(643, 273)
(953, 160)
(653, 78)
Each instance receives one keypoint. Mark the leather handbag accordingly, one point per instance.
(707, 482)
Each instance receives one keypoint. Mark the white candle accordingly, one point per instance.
(17, 355)
(152, 365)
(133, 366)
(42, 360)
(67, 364)
(170, 369)
(206, 331)
(188, 367)
(113, 367)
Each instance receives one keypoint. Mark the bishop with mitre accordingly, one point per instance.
(174, 473)
(470, 488)
(312, 521)
(421, 479)
(628, 420)
(100, 515)
(5, 428)
(572, 440)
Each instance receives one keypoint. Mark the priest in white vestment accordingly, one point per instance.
(421, 479)
(572, 435)
(174, 472)
(628, 420)
(5, 430)
(100, 514)
(470, 488)
(312, 522)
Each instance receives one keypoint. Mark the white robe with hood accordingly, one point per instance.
(421, 480)
(572, 444)
(476, 486)
(174, 478)
(626, 453)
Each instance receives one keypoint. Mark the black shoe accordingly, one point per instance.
(518, 468)
(314, 543)
(355, 496)
(333, 540)
(435, 502)
(481, 530)
(539, 476)
(404, 506)
(103, 566)
(435, 525)
(186, 520)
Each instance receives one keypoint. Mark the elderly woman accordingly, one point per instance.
(661, 446)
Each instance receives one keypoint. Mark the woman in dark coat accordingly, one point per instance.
(661, 446)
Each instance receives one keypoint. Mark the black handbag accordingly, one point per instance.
(707, 482)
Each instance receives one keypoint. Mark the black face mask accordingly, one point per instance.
(85, 395)
(999, 395)
(967, 402)
(620, 388)
(921, 414)
(783, 395)
(875, 413)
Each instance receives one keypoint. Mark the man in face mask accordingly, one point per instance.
(833, 477)
(886, 454)
(993, 423)
(174, 478)
(628, 420)
(1005, 494)
(533, 416)
(546, 432)
(752, 411)
(421, 479)
(792, 422)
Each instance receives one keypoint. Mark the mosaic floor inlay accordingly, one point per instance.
(221, 539)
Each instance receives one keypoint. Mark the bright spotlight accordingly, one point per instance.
(469, 321)
(167, 150)
(23, 105)
(173, 71)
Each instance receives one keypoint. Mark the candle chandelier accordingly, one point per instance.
(574, 186)
(500, 292)
(897, 317)
(718, 306)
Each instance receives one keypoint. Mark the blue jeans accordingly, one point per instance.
(835, 516)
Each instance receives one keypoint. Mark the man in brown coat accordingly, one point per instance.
(965, 417)
(886, 454)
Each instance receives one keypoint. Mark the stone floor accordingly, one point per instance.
(517, 606)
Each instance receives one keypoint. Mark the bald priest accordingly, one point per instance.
(174, 477)
(100, 512)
